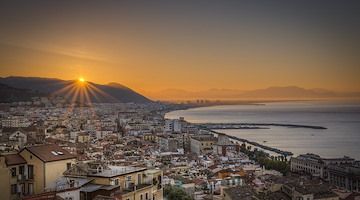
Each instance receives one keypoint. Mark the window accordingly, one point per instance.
(146, 196)
(13, 189)
(141, 196)
(22, 170)
(22, 188)
(31, 188)
(68, 166)
(30, 171)
(139, 179)
(116, 181)
(13, 172)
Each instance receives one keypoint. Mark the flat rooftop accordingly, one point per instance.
(117, 171)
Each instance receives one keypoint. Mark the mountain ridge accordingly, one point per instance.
(269, 93)
(97, 92)
(10, 94)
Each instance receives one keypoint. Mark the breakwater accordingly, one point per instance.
(210, 126)
(253, 125)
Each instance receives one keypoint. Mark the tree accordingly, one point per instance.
(249, 148)
(175, 193)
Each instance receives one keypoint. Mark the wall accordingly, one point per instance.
(38, 170)
(55, 169)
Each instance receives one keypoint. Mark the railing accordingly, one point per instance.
(21, 177)
(133, 188)
(144, 185)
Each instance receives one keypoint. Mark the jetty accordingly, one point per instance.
(253, 125)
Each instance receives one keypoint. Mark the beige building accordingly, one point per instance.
(83, 137)
(202, 144)
(93, 179)
(30, 170)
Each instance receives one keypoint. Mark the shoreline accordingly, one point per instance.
(263, 147)
(198, 119)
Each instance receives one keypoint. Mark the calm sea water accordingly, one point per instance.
(341, 118)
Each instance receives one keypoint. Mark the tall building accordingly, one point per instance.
(172, 125)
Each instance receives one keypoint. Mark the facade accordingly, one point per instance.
(343, 173)
(224, 146)
(172, 125)
(345, 177)
(310, 163)
(202, 144)
(83, 137)
(92, 179)
(30, 170)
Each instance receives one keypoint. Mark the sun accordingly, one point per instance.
(81, 79)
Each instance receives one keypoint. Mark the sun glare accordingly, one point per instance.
(81, 80)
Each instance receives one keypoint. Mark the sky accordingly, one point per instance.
(155, 45)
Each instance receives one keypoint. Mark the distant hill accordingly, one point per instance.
(112, 92)
(271, 93)
(9, 94)
(294, 92)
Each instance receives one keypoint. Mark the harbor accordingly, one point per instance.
(210, 126)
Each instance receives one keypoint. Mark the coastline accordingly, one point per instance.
(298, 135)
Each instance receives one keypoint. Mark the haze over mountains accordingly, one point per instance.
(22, 88)
(112, 92)
(271, 93)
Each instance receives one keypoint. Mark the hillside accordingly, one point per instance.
(10, 94)
(99, 93)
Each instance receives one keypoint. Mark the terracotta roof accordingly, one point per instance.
(14, 159)
(49, 152)
(197, 181)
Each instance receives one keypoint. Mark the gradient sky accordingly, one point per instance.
(191, 45)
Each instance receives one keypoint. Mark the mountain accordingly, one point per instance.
(10, 94)
(271, 93)
(112, 92)
(176, 94)
(297, 93)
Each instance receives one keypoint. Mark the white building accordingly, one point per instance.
(172, 125)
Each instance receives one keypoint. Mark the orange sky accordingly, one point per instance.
(191, 46)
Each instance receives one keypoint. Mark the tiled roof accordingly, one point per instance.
(14, 159)
(50, 152)
(240, 193)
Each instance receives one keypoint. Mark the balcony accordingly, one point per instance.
(21, 177)
(142, 186)
(134, 188)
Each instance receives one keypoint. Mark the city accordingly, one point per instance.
(179, 100)
(130, 151)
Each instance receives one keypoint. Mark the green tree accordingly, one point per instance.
(175, 193)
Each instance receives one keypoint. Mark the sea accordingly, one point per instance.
(341, 118)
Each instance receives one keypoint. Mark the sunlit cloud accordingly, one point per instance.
(72, 52)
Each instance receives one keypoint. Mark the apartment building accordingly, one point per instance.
(31, 169)
(86, 181)
(202, 144)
